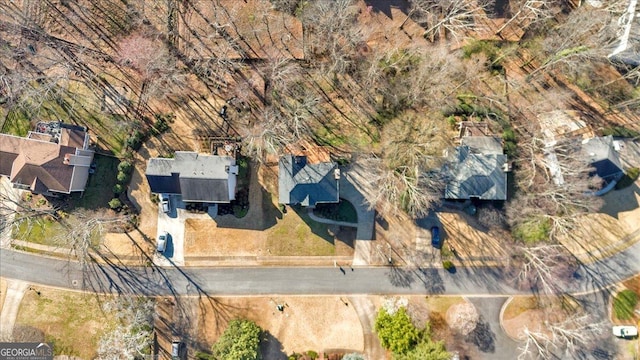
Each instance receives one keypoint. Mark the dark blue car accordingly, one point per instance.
(435, 237)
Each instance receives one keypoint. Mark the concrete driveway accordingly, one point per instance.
(173, 223)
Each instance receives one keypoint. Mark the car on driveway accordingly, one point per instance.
(625, 331)
(163, 238)
(164, 203)
(436, 241)
(177, 350)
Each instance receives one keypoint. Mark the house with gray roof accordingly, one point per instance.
(477, 169)
(300, 182)
(52, 160)
(603, 157)
(196, 177)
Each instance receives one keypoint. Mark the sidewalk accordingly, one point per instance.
(15, 292)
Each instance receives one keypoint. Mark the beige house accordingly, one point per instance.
(54, 159)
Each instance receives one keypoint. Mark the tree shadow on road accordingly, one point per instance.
(400, 277)
(431, 280)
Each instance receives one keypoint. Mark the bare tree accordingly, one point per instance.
(585, 38)
(556, 186)
(463, 317)
(532, 11)
(545, 268)
(336, 34)
(446, 17)
(268, 135)
(132, 336)
(567, 338)
(535, 345)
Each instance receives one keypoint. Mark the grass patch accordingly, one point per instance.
(73, 321)
(624, 304)
(532, 231)
(440, 304)
(628, 179)
(17, 123)
(99, 190)
(620, 131)
(39, 231)
(297, 235)
(45, 231)
(342, 211)
(518, 305)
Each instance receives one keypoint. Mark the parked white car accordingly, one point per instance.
(163, 238)
(625, 331)
(164, 203)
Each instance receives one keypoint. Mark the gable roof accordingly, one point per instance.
(477, 171)
(602, 155)
(41, 165)
(197, 177)
(307, 184)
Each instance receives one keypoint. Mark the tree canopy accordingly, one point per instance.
(240, 341)
(395, 331)
(426, 350)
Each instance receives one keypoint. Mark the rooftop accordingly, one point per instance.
(307, 184)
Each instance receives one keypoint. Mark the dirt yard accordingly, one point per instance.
(315, 323)
(73, 321)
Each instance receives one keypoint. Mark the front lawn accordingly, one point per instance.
(73, 322)
(39, 231)
(297, 234)
(99, 190)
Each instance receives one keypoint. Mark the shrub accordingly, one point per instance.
(118, 188)
(628, 179)
(115, 204)
(624, 304)
(134, 141)
(125, 167)
(239, 341)
(203, 356)
(122, 177)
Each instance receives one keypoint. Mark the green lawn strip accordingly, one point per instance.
(297, 235)
(624, 304)
(39, 231)
(17, 123)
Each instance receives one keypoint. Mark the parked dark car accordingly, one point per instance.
(436, 241)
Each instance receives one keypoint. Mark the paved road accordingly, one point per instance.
(248, 281)
(276, 280)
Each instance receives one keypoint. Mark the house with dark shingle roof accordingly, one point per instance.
(47, 163)
(300, 182)
(477, 169)
(196, 177)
